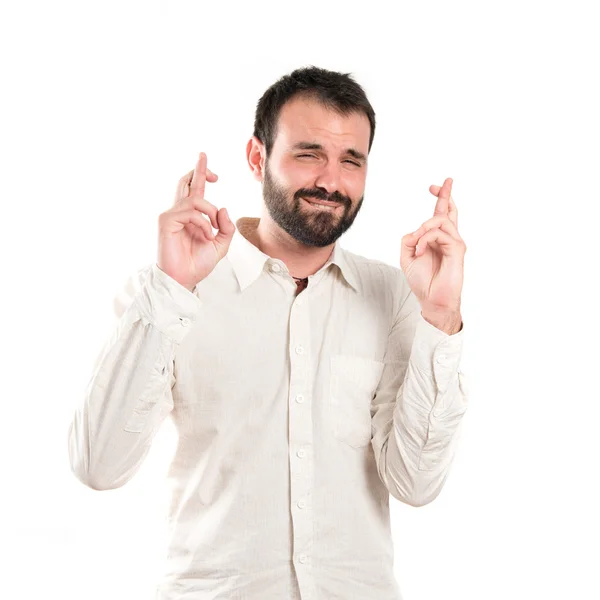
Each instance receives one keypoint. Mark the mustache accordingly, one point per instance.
(320, 195)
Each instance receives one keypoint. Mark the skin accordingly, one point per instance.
(432, 259)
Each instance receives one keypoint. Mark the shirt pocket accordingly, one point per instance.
(353, 382)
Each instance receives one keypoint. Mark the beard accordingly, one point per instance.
(309, 227)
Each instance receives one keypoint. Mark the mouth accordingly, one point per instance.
(323, 205)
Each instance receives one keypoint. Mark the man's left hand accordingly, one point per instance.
(432, 259)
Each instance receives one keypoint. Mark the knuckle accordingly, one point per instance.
(434, 222)
(210, 208)
(201, 219)
(200, 203)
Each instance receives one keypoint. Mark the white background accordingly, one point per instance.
(105, 105)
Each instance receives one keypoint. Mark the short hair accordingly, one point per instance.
(337, 91)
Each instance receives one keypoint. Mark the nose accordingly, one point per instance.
(329, 177)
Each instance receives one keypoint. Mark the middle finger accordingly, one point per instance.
(452, 210)
(183, 186)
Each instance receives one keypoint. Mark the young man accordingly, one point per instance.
(306, 383)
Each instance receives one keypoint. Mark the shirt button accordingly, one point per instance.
(301, 503)
(302, 558)
(276, 268)
(299, 349)
(185, 321)
(301, 453)
(300, 398)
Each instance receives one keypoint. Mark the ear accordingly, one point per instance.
(255, 154)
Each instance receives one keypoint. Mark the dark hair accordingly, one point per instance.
(332, 89)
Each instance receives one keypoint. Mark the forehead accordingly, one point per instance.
(306, 120)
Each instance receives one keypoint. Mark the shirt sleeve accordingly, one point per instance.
(128, 395)
(418, 405)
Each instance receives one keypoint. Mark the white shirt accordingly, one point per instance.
(297, 416)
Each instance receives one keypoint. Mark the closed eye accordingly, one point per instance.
(313, 156)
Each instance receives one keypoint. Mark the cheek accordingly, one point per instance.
(301, 176)
(294, 176)
(355, 186)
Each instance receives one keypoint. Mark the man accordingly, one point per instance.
(306, 383)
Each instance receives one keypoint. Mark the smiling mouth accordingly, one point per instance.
(323, 204)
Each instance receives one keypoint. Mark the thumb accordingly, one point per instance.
(226, 230)
(409, 241)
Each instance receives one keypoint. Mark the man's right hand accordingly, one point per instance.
(188, 250)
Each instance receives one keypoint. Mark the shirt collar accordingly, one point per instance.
(248, 261)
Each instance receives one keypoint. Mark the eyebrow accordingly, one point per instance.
(312, 146)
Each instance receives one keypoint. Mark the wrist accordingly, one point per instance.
(448, 322)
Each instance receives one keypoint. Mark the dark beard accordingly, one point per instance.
(318, 229)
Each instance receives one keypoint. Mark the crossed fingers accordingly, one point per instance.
(442, 228)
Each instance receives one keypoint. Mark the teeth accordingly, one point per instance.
(322, 206)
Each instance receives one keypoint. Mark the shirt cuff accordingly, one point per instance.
(167, 304)
(435, 352)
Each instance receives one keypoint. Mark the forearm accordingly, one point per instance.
(423, 438)
(129, 392)
(416, 433)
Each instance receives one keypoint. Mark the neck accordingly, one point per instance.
(301, 260)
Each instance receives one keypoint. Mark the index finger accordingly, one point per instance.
(199, 178)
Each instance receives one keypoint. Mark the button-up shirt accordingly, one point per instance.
(297, 415)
